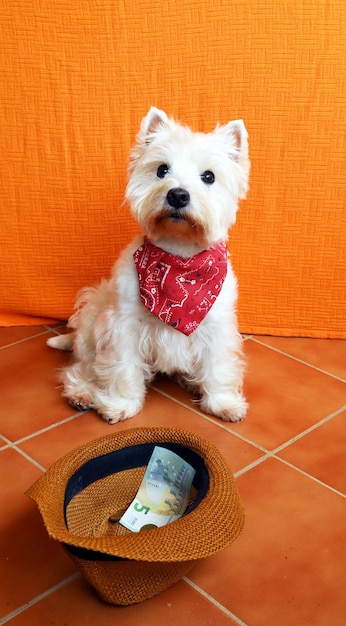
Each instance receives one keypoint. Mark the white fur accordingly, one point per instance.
(118, 345)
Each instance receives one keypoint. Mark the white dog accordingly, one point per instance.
(169, 305)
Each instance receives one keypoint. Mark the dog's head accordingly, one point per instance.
(185, 184)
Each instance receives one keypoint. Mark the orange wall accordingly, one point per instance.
(75, 80)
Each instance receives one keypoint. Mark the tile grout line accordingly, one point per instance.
(37, 599)
(309, 430)
(213, 601)
(252, 465)
(12, 446)
(29, 458)
(48, 428)
(49, 327)
(45, 329)
(273, 453)
(316, 480)
(294, 358)
(15, 343)
(54, 330)
(218, 424)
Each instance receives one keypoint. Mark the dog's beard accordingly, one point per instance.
(173, 223)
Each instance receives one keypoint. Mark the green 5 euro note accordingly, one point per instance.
(163, 494)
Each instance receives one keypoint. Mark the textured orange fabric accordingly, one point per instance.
(75, 80)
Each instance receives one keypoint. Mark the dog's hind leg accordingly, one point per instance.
(120, 372)
(120, 385)
(62, 342)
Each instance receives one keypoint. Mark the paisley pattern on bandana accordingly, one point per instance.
(180, 291)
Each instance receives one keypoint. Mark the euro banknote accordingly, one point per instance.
(163, 494)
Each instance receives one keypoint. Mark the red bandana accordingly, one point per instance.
(180, 291)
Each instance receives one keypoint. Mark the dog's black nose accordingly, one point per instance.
(178, 198)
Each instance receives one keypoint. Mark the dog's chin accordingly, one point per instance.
(180, 225)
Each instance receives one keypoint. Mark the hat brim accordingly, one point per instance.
(214, 520)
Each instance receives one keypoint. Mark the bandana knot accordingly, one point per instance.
(180, 291)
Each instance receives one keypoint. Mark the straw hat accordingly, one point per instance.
(82, 494)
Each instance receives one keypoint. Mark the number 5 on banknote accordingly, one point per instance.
(141, 508)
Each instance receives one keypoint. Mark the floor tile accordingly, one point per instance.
(76, 604)
(321, 453)
(288, 567)
(158, 411)
(326, 354)
(285, 397)
(30, 562)
(12, 334)
(30, 399)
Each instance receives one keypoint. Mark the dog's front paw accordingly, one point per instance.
(227, 408)
(232, 415)
(81, 403)
(114, 416)
(119, 410)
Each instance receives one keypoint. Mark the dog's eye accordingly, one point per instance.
(162, 170)
(208, 177)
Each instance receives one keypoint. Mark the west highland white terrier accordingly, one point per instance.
(169, 305)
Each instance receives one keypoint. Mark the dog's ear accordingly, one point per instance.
(151, 123)
(236, 136)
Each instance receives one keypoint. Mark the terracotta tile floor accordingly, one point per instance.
(289, 566)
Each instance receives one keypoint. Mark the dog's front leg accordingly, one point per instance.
(222, 387)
